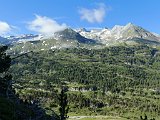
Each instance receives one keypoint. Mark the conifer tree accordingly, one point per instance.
(5, 77)
(63, 103)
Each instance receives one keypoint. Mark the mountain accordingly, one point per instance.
(133, 31)
(69, 34)
(92, 34)
(9, 40)
(106, 36)
(4, 40)
(67, 38)
(24, 38)
(82, 38)
(119, 34)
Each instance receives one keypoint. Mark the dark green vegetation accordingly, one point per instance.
(63, 103)
(11, 107)
(118, 81)
(146, 118)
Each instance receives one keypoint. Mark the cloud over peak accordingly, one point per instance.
(4, 28)
(45, 25)
(93, 15)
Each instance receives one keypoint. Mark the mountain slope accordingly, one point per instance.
(114, 81)
(69, 34)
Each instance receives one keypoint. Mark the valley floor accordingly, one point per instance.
(95, 118)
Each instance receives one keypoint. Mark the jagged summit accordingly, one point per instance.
(130, 24)
(81, 30)
(119, 33)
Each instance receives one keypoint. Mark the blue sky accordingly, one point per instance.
(45, 16)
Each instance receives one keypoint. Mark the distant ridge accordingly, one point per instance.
(95, 38)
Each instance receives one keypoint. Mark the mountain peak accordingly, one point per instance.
(70, 34)
(130, 24)
(117, 28)
(81, 30)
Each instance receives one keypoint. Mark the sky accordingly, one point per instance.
(49, 16)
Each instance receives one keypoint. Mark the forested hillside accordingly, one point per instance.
(118, 81)
(11, 106)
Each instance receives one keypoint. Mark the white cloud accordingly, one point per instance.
(4, 28)
(45, 25)
(93, 15)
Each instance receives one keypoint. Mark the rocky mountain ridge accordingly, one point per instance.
(119, 33)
